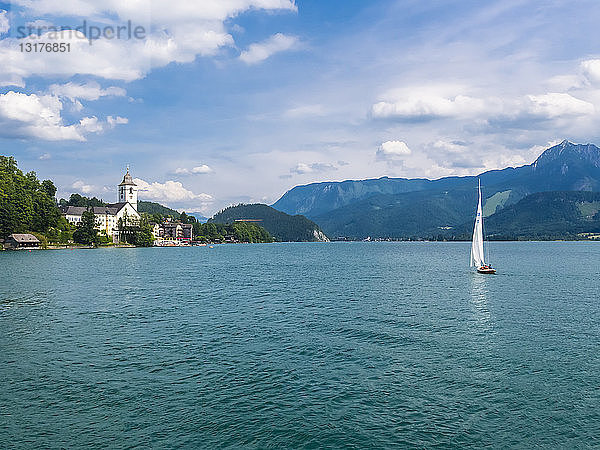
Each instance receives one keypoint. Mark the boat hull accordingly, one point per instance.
(486, 271)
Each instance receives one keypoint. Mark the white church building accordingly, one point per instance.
(107, 217)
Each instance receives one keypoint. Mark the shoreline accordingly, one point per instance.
(211, 245)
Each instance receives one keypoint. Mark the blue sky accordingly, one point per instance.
(228, 101)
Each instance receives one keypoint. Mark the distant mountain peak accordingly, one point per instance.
(565, 143)
(567, 153)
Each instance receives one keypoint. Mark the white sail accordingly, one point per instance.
(477, 257)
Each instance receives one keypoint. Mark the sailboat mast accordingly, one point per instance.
(487, 247)
(477, 255)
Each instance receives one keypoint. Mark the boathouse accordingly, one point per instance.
(21, 241)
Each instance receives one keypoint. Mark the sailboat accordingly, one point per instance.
(477, 254)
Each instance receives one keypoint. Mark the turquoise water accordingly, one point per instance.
(301, 345)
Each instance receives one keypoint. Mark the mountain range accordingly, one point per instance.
(416, 208)
(546, 215)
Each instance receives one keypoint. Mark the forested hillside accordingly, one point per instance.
(156, 208)
(547, 215)
(26, 203)
(233, 232)
(282, 226)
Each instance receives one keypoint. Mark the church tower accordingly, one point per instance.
(128, 191)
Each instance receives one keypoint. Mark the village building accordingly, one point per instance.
(107, 217)
(21, 241)
(172, 232)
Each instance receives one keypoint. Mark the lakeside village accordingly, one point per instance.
(122, 224)
(118, 220)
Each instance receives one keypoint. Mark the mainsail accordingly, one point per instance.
(477, 258)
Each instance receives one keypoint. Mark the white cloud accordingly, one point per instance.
(76, 106)
(303, 168)
(44, 156)
(10, 79)
(181, 31)
(554, 105)
(4, 23)
(118, 120)
(169, 191)
(85, 91)
(91, 125)
(429, 102)
(566, 82)
(393, 150)
(23, 115)
(198, 170)
(83, 187)
(450, 146)
(591, 70)
(238, 29)
(116, 59)
(262, 50)
(420, 103)
(39, 116)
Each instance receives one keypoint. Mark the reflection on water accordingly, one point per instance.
(479, 302)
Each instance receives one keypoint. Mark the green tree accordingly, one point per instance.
(49, 188)
(143, 236)
(136, 232)
(80, 200)
(26, 205)
(86, 232)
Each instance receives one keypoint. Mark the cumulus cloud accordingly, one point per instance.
(303, 168)
(85, 91)
(421, 104)
(91, 125)
(393, 151)
(182, 31)
(591, 70)
(120, 60)
(428, 103)
(169, 191)
(262, 50)
(82, 187)
(198, 170)
(23, 115)
(39, 116)
(45, 156)
(554, 105)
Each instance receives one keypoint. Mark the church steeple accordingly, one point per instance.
(128, 190)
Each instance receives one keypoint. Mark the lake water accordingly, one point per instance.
(301, 345)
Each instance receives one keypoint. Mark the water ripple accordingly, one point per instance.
(299, 345)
